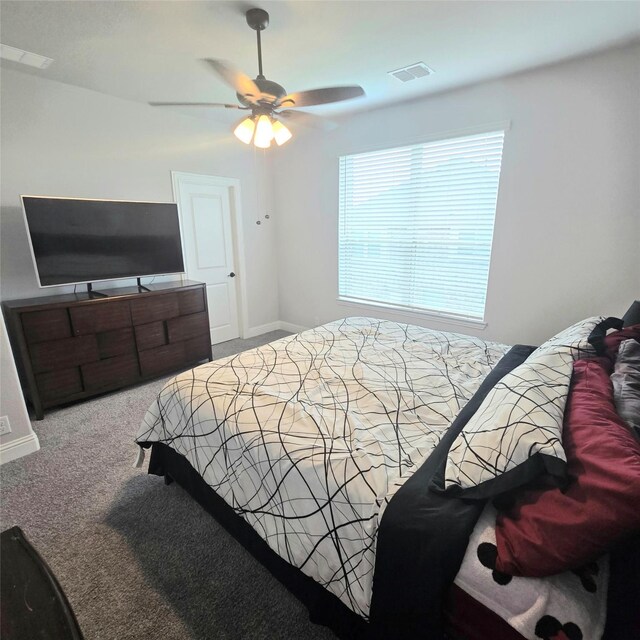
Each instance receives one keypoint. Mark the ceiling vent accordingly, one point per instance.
(412, 72)
(24, 57)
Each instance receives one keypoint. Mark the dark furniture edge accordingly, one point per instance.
(22, 360)
(118, 293)
(69, 620)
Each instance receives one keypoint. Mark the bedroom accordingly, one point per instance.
(562, 79)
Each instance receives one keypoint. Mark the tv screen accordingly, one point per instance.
(76, 241)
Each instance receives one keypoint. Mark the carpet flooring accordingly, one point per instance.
(138, 559)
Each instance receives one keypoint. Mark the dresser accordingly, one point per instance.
(74, 346)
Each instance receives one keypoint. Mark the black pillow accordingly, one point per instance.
(596, 337)
(633, 315)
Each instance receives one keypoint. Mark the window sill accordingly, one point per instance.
(413, 314)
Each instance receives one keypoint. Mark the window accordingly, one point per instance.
(416, 225)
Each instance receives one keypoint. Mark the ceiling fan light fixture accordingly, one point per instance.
(280, 133)
(264, 132)
(264, 98)
(244, 131)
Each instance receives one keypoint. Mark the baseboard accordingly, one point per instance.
(278, 325)
(19, 447)
(293, 328)
(263, 328)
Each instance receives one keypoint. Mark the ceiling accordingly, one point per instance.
(147, 51)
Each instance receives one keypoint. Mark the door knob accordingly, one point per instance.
(232, 275)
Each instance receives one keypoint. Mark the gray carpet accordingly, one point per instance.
(138, 559)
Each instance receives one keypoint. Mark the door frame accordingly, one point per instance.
(179, 178)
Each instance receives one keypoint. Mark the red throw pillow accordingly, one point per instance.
(613, 341)
(549, 531)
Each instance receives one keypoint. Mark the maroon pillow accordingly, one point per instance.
(613, 341)
(548, 531)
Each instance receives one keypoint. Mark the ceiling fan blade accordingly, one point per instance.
(320, 96)
(196, 104)
(307, 119)
(235, 78)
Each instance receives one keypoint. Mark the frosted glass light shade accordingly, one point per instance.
(264, 132)
(244, 131)
(281, 133)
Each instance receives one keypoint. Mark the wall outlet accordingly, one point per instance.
(5, 427)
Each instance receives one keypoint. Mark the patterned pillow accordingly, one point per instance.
(516, 434)
(575, 338)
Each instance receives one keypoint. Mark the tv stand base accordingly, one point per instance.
(141, 287)
(95, 294)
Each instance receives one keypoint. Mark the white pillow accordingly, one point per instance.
(516, 434)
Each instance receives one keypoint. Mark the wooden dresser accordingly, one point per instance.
(71, 347)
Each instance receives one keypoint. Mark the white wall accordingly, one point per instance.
(568, 221)
(567, 234)
(66, 141)
(22, 440)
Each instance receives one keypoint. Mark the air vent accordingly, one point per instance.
(412, 72)
(24, 57)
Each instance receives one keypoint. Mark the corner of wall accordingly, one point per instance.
(22, 440)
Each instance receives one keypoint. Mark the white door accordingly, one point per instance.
(208, 237)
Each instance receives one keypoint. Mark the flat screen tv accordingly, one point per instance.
(75, 241)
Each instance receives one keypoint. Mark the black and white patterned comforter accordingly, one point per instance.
(309, 437)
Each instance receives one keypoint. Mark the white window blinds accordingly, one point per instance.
(416, 224)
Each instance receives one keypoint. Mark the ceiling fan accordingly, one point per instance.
(268, 101)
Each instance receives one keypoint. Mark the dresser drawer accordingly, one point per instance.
(149, 336)
(145, 310)
(110, 373)
(39, 326)
(163, 359)
(116, 343)
(57, 385)
(97, 317)
(191, 301)
(63, 354)
(198, 348)
(186, 327)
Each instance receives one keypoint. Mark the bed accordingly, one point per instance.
(340, 457)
